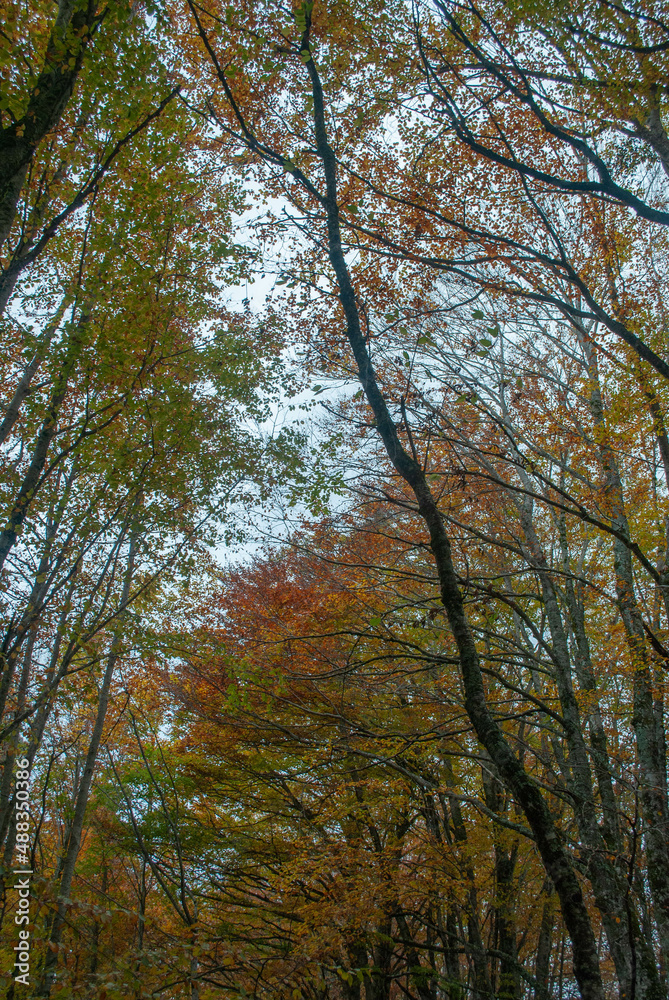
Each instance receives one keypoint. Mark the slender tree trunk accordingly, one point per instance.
(586, 678)
(378, 987)
(608, 882)
(31, 480)
(505, 899)
(419, 975)
(77, 824)
(649, 740)
(23, 388)
(452, 960)
(95, 935)
(6, 799)
(482, 984)
(526, 792)
(544, 943)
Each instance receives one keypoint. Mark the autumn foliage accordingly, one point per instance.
(334, 562)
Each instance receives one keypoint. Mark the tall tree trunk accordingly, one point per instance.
(609, 884)
(74, 24)
(505, 898)
(76, 827)
(526, 792)
(31, 480)
(544, 944)
(649, 740)
(476, 950)
(23, 388)
(586, 678)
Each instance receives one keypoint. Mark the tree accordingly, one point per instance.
(416, 748)
(532, 259)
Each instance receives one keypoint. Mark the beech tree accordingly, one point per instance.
(533, 258)
(416, 747)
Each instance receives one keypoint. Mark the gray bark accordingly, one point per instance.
(649, 741)
(555, 858)
(77, 824)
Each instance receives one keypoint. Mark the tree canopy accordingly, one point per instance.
(334, 562)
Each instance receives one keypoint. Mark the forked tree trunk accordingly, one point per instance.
(555, 858)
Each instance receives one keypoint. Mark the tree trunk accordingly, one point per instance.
(77, 824)
(526, 792)
(544, 944)
(31, 480)
(649, 741)
(74, 24)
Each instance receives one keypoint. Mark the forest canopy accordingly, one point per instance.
(334, 555)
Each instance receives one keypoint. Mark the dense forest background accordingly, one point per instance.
(335, 488)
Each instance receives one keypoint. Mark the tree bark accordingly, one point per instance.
(527, 794)
(649, 741)
(31, 480)
(77, 824)
(74, 24)
(23, 388)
